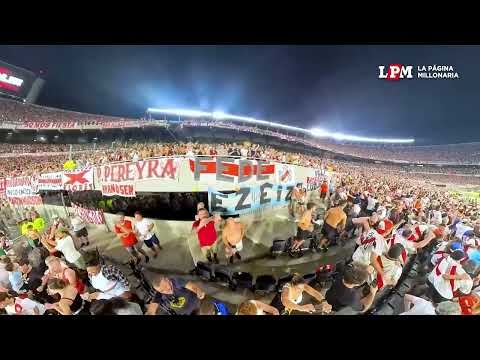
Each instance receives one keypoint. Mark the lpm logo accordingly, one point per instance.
(395, 72)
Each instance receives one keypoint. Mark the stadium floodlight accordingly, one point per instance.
(340, 136)
(180, 112)
(217, 115)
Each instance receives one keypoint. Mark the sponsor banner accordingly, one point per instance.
(163, 168)
(78, 180)
(91, 216)
(120, 189)
(50, 181)
(248, 199)
(234, 171)
(34, 200)
(19, 187)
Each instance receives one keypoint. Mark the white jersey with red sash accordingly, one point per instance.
(370, 242)
(391, 269)
(449, 288)
(397, 238)
(440, 253)
(384, 226)
(418, 231)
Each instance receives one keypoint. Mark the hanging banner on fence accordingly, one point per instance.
(314, 182)
(22, 191)
(34, 200)
(139, 170)
(284, 174)
(91, 216)
(78, 180)
(120, 189)
(249, 199)
(236, 171)
(51, 181)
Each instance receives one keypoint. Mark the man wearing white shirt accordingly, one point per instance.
(144, 229)
(371, 203)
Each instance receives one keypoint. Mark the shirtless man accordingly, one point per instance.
(232, 236)
(305, 226)
(335, 220)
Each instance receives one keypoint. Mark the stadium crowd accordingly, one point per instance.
(13, 112)
(389, 216)
(85, 155)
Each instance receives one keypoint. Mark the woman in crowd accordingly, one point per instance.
(57, 269)
(292, 296)
(70, 303)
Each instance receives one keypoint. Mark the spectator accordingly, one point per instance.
(107, 279)
(255, 307)
(124, 230)
(144, 231)
(20, 306)
(207, 234)
(346, 290)
(232, 236)
(70, 303)
(175, 296)
(80, 230)
(292, 296)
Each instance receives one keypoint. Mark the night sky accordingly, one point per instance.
(331, 87)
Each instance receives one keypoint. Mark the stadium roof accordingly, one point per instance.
(218, 115)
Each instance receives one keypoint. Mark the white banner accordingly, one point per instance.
(22, 191)
(51, 181)
(21, 187)
(78, 180)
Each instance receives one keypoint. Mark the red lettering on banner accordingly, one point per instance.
(169, 169)
(129, 170)
(210, 167)
(140, 167)
(121, 172)
(112, 172)
(152, 168)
